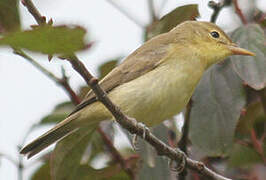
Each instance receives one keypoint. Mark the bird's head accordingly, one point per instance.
(208, 41)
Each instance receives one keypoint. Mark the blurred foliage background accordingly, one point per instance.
(226, 128)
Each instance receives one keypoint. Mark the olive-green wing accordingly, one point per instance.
(141, 61)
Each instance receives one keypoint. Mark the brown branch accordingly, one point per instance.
(152, 10)
(216, 7)
(116, 155)
(239, 12)
(63, 82)
(131, 124)
(125, 13)
(257, 144)
(41, 20)
(182, 144)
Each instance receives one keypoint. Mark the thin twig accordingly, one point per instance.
(182, 144)
(239, 12)
(63, 82)
(9, 158)
(217, 7)
(125, 13)
(262, 95)
(135, 128)
(116, 155)
(163, 3)
(41, 20)
(152, 10)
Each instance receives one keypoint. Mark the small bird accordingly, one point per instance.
(152, 84)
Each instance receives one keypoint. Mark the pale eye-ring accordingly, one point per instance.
(215, 34)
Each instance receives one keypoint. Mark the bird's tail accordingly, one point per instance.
(59, 131)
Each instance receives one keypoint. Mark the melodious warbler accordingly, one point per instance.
(154, 83)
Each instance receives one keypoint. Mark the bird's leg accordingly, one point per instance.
(134, 142)
(178, 167)
(135, 137)
(146, 130)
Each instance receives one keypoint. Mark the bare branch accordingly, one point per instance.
(152, 10)
(63, 82)
(125, 13)
(34, 11)
(239, 12)
(116, 155)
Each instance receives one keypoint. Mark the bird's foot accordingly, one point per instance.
(178, 167)
(134, 142)
(145, 129)
(135, 136)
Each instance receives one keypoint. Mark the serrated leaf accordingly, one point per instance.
(242, 156)
(153, 166)
(9, 16)
(172, 19)
(106, 67)
(251, 69)
(217, 103)
(68, 152)
(43, 173)
(47, 39)
(60, 112)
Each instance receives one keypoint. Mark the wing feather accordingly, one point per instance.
(141, 61)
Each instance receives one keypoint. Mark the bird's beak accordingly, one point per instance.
(239, 51)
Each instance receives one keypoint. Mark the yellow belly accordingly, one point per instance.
(158, 95)
(153, 97)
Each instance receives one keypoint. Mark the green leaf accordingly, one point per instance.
(153, 166)
(9, 16)
(217, 104)
(172, 19)
(106, 67)
(243, 156)
(43, 173)
(68, 152)
(251, 69)
(60, 112)
(47, 39)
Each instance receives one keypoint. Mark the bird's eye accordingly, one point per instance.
(215, 34)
